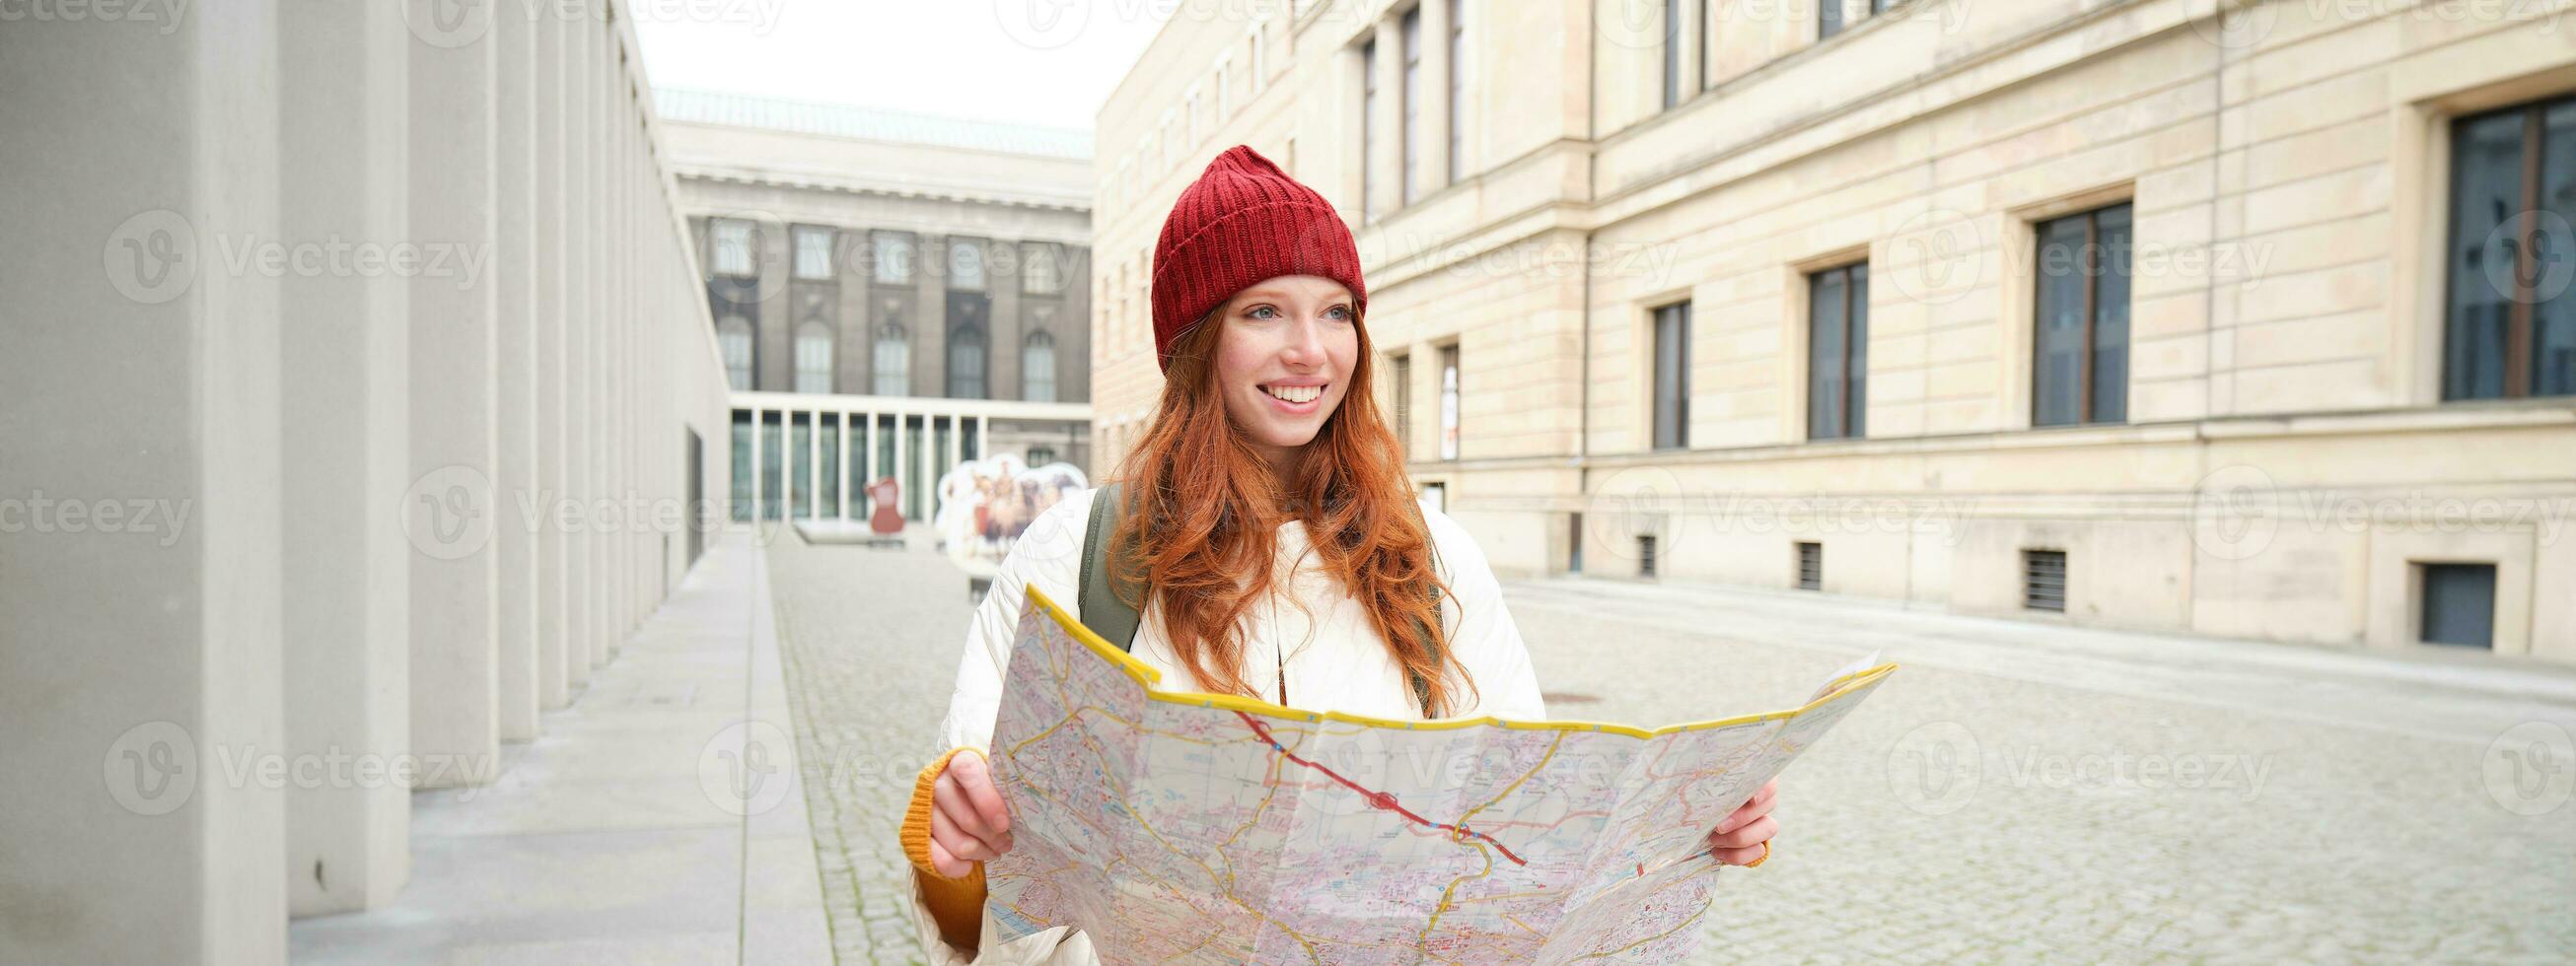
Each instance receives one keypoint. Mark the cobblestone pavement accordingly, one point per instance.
(2019, 792)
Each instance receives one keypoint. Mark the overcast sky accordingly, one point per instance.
(1047, 62)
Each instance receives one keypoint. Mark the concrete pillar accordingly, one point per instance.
(346, 597)
(603, 621)
(147, 645)
(983, 438)
(814, 463)
(553, 114)
(930, 333)
(451, 510)
(581, 151)
(756, 457)
(1435, 94)
(514, 260)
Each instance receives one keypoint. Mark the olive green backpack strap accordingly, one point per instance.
(1103, 610)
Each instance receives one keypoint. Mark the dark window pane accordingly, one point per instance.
(1829, 18)
(1825, 354)
(1859, 350)
(2553, 319)
(2058, 343)
(2459, 604)
(2486, 189)
(2110, 262)
(1672, 376)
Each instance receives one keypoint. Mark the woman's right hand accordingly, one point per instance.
(968, 822)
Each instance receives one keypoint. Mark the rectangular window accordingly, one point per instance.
(1673, 52)
(2510, 326)
(893, 257)
(1041, 269)
(1811, 565)
(1829, 18)
(730, 244)
(1400, 369)
(1672, 376)
(2458, 604)
(1838, 352)
(813, 253)
(2043, 580)
(1412, 176)
(1457, 91)
(1646, 555)
(2080, 344)
(1449, 402)
(1574, 542)
(1368, 125)
(966, 264)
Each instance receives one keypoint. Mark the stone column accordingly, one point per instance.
(144, 645)
(553, 114)
(514, 261)
(930, 333)
(346, 596)
(452, 509)
(581, 152)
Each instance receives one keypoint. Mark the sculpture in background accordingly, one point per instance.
(984, 505)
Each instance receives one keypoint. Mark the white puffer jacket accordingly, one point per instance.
(1324, 654)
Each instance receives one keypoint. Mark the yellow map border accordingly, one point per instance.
(1148, 677)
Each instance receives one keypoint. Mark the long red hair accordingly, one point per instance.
(1202, 514)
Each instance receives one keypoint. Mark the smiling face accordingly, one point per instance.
(1287, 349)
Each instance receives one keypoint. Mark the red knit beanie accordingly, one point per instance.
(1241, 222)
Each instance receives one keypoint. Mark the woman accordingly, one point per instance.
(1268, 510)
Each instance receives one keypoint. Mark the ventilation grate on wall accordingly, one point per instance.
(1811, 565)
(2043, 580)
(1645, 555)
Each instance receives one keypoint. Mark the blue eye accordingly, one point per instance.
(1257, 311)
(1342, 312)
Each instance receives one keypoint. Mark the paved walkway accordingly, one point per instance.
(2021, 791)
(657, 821)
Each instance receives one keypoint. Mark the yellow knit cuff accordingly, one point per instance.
(957, 905)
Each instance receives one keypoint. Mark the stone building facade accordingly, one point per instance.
(2233, 318)
(859, 252)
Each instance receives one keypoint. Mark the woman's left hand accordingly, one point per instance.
(1739, 839)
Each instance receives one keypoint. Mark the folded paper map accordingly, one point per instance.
(1189, 827)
